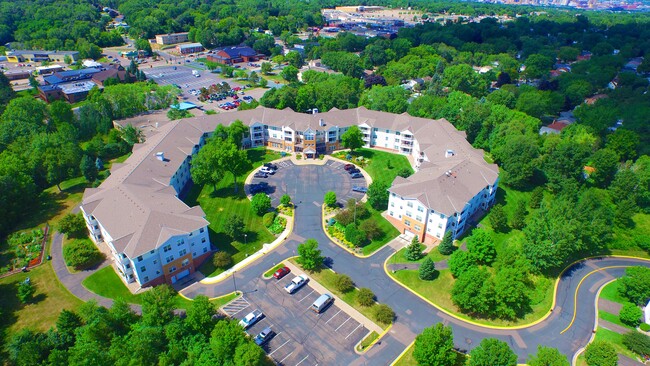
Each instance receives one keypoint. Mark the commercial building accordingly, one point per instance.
(233, 55)
(40, 56)
(156, 238)
(172, 38)
(188, 48)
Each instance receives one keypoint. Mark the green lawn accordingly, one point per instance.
(106, 283)
(367, 340)
(383, 166)
(326, 278)
(438, 291)
(386, 227)
(51, 297)
(408, 360)
(610, 292)
(223, 203)
(434, 254)
(612, 318)
(615, 339)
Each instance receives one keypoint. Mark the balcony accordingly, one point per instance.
(406, 143)
(407, 137)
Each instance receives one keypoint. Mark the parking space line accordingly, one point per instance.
(353, 331)
(312, 291)
(233, 314)
(333, 316)
(346, 320)
(279, 347)
(302, 360)
(287, 356)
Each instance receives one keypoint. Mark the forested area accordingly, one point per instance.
(42, 145)
(95, 335)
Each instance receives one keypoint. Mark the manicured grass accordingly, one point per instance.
(271, 271)
(326, 277)
(610, 292)
(51, 297)
(367, 340)
(612, 318)
(223, 300)
(106, 283)
(434, 254)
(383, 166)
(438, 291)
(615, 339)
(386, 227)
(223, 203)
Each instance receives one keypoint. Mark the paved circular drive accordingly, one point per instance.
(311, 182)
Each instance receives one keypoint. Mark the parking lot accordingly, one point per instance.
(183, 77)
(302, 337)
(292, 179)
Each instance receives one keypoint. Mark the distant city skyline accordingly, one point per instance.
(622, 5)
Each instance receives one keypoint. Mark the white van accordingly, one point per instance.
(321, 303)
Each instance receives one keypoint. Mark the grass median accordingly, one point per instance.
(271, 271)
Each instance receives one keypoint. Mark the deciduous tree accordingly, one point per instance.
(492, 352)
(260, 204)
(352, 138)
(481, 246)
(310, 256)
(601, 353)
(435, 346)
(547, 356)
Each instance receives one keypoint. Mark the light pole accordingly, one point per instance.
(234, 282)
(245, 239)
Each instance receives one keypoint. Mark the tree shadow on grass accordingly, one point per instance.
(9, 304)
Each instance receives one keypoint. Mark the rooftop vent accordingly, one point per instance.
(160, 156)
(314, 111)
(321, 122)
(448, 173)
(449, 153)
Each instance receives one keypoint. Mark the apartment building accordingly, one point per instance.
(155, 237)
(185, 49)
(172, 38)
(41, 56)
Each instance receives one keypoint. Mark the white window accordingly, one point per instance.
(173, 269)
(182, 252)
(420, 209)
(417, 227)
(146, 279)
(170, 258)
(185, 262)
(205, 250)
(419, 218)
(143, 269)
(392, 204)
(167, 248)
(407, 223)
(409, 204)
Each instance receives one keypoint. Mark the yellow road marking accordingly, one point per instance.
(575, 295)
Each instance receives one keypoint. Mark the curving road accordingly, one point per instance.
(560, 330)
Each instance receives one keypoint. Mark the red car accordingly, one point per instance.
(348, 166)
(281, 272)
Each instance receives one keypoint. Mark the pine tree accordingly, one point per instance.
(519, 217)
(446, 247)
(498, 219)
(536, 197)
(427, 271)
(413, 251)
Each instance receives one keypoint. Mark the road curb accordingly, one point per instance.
(574, 359)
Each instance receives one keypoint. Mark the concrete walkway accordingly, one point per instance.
(369, 324)
(626, 361)
(609, 306)
(73, 281)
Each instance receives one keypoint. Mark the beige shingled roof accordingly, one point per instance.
(140, 210)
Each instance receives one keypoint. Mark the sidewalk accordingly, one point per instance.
(367, 323)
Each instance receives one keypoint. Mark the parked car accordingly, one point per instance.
(354, 170)
(349, 166)
(357, 175)
(281, 272)
(360, 189)
(296, 284)
(250, 319)
(271, 166)
(267, 170)
(264, 336)
(260, 187)
(260, 175)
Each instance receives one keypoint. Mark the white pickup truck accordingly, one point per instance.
(196, 73)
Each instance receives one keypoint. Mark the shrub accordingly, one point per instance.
(427, 271)
(260, 204)
(635, 285)
(330, 199)
(222, 260)
(285, 199)
(343, 283)
(278, 225)
(81, 254)
(644, 327)
(354, 235)
(233, 226)
(26, 292)
(345, 217)
(405, 172)
(383, 314)
(365, 297)
(459, 262)
(630, 314)
(73, 225)
(636, 342)
(372, 230)
(268, 218)
(601, 353)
